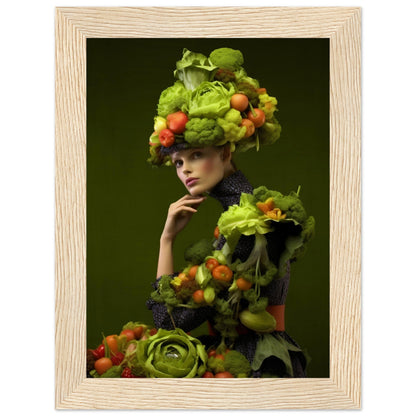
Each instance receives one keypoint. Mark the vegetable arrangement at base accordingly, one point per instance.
(166, 354)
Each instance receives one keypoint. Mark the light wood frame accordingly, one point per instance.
(342, 390)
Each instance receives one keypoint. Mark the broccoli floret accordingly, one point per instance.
(227, 58)
(203, 131)
(197, 252)
(258, 306)
(237, 364)
(289, 204)
(216, 365)
(172, 99)
(165, 294)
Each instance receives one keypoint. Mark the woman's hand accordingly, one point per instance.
(179, 214)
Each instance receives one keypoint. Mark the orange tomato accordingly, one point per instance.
(112, 343)
(192, 272)
(208, 374)
(248, 124)
(183, 277)
(224, 374)
(243, 284)
(102, 365)
(211, 264)
(223, 273)
(198, 296)
(219, 357)
(216, 232)
(239, 102)
(138, 332)
(129, 333)
(257, 117)
(261, 91)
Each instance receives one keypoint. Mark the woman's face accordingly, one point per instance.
(200, 169)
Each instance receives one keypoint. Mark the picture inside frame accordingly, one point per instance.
(128, 199)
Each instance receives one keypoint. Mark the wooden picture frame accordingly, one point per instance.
(342, 390)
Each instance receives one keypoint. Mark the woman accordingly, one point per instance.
(200, 170)
(251, 244)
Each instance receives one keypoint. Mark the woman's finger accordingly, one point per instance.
(189, 197)
(193, 201)
(177, 210)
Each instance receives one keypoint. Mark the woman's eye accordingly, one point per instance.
(197, 155)
(178, 163)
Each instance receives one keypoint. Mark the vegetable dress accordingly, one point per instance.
(270, 354)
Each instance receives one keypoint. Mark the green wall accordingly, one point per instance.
(127, 199)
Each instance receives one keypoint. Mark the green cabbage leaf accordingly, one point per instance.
(210, 99)
(193, 69)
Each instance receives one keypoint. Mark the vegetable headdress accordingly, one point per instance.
(213, 102)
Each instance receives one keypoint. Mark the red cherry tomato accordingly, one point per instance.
(177, 122)
(211, 264)
(224, 374)
(166, 138)
(129, 333)
(223, 273)
(99, 352)
(212, 353)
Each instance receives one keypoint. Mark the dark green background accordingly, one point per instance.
(127, 199)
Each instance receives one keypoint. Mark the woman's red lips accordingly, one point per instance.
(191, 181)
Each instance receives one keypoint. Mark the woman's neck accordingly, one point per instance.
(229, 190)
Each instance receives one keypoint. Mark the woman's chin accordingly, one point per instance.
(197, 190)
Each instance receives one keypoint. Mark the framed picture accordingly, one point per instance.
(111, 65)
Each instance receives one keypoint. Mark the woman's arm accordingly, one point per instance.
(165, 262)
(179, 214)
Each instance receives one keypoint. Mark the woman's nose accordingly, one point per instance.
(186, 168)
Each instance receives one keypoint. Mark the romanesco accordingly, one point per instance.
(230, 124)
(268, 105)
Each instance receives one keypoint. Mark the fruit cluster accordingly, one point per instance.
(110, 356)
